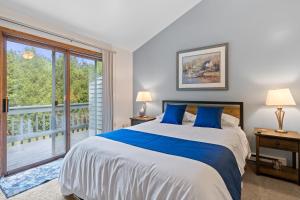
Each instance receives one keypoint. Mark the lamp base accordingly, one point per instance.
(280, 115)
(142, 111)
(280, 131)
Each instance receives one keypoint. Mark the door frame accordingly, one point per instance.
(3, 116)
(22, 37)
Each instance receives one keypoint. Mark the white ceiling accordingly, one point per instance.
(123, 23)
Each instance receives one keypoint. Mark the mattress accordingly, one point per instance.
(100, 168)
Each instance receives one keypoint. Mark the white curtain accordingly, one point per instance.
(107, 58)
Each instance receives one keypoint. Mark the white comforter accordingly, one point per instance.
(102, 169)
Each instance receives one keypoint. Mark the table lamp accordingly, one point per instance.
(280, 98)
(143, 96)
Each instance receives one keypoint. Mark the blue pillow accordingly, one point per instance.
(209, 117)
(173, 114)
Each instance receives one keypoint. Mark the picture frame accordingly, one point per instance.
(204, 68)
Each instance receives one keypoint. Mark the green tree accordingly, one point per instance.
(30, 81)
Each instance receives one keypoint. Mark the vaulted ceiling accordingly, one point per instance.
(123, 23)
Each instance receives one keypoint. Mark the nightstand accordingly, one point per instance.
(289, 141)
(139, 120)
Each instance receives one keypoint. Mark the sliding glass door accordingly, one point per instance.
(86, 97)
(51, 99)
(35, 93)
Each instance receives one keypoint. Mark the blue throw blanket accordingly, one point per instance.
(216, 156)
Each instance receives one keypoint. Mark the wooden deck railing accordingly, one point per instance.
(31, 123)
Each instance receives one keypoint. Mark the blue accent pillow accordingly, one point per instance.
(173, 114)
(209, 117)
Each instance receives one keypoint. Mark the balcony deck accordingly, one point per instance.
(27, 153)
(36, 133)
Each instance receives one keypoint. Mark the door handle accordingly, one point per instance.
(5, 104)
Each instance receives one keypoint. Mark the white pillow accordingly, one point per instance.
(229, 120)
(160, 116)
(187, 117)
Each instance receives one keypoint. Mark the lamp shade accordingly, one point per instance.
(280, 97)
(143, 96)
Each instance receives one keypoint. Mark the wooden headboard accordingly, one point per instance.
(235, 109)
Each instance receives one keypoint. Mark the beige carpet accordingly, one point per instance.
(255, 188)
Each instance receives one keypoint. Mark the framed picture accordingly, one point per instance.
(203, 68)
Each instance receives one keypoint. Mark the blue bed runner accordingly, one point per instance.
(216, 156)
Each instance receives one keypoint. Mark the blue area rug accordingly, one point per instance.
(31, 178)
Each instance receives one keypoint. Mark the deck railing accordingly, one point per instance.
(31, 123)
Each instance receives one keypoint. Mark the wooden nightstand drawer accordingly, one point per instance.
(279, 144)
(139, 120)
(136, 122)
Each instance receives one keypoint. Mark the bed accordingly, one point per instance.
(107, 167)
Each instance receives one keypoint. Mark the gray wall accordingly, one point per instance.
(264, 53)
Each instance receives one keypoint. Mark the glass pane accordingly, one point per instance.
(86, 98)
(35, 122)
